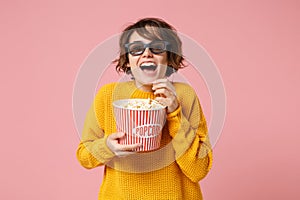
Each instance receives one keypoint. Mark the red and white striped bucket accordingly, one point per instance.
(140, 125)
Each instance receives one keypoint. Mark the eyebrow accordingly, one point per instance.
(137, 41)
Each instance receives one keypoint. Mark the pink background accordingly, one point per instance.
(255, 44)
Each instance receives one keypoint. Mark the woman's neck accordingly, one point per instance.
(144, 87)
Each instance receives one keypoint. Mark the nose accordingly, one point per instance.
(147, 53)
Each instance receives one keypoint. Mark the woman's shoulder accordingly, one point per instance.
(181, 85)
(184, 89)
(109, 88)
(105, 89)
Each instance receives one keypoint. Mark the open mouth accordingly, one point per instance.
(148, 66)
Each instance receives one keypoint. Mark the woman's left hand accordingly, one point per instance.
(165, 94)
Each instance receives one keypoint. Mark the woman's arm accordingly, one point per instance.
(98, 144)
(187, 126)
(92, 150)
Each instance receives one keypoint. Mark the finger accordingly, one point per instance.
(166, 101)
(170, 104)
(162, 80)
(163, 91)
(115, 136)
(160, 85)
(168, 86)
(129, 147)
(162, 100)
(119, 148)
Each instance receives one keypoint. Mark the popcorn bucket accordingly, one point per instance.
(141, 121)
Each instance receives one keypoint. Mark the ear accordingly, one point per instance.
(128, 69)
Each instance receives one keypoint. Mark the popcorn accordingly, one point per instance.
(146, 104)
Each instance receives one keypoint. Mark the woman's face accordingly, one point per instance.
(146, 67)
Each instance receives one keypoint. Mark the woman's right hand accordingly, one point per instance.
(120, 150)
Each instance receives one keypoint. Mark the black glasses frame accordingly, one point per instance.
(145, 46)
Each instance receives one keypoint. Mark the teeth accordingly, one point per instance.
(147, 64)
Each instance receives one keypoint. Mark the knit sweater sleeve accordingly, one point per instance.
(187, 126)
(92, 150)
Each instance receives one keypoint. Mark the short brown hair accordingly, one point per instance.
(152, 29)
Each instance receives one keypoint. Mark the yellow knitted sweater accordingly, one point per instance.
(172, 172)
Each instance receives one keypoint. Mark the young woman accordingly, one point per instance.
(150, 51)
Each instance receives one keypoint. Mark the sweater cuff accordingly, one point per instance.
(101, 151)
(174, 114)
(174, 121)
